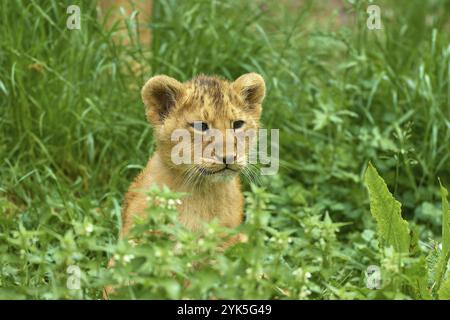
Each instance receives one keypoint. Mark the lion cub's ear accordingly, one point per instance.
(251, 87)
(160, 94)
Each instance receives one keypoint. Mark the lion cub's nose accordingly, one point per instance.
(226, 159)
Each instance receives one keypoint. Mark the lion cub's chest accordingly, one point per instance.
(225, 205)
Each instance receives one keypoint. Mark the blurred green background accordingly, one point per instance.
(73, 135)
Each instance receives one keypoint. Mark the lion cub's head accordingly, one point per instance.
(209, 114)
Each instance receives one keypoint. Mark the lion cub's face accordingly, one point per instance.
(213, 113)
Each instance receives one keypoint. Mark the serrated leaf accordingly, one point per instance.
(445, 222)
(441, 266)
(444, 291)
(392, 228)
(418, 271)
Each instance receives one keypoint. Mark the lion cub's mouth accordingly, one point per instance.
(207, 172)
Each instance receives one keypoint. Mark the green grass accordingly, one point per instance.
(73, 135)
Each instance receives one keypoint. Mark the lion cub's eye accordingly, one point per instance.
(198, 125)
(238, 124)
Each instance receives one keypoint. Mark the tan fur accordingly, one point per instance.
(222, 200)
(217, 102)
(173, 105)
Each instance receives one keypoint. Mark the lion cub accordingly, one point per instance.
(198, 106)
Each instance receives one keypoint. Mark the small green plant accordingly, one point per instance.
(162, 259)
(403, 262)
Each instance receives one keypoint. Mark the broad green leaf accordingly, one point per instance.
(444, 291)
(445, 222)
(392, 228)
(418, 271)
(441, 266)
(418, 275)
